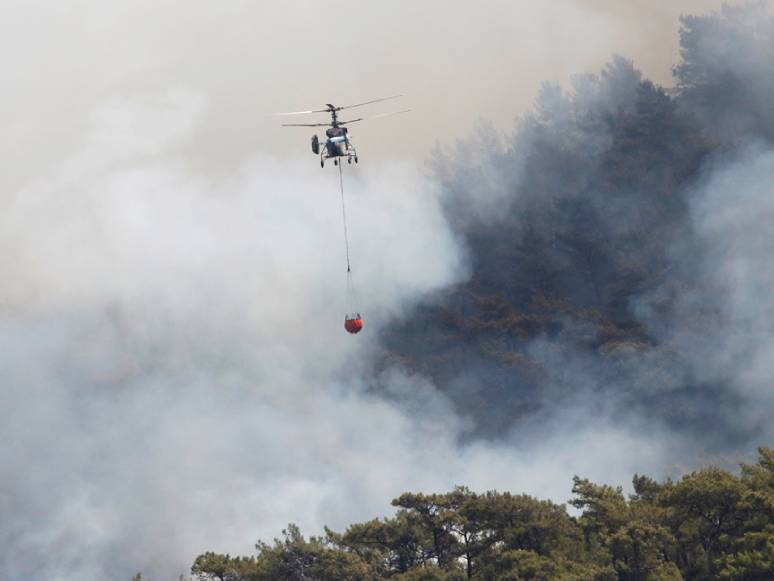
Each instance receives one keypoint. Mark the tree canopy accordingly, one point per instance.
(710, 524)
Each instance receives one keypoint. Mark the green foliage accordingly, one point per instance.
(749, 555)
(291, 558)
(429, 573)
(705, 508)
(710, 524)
(212, 566)
(641, 551)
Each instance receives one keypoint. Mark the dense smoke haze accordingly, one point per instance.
(175, 372)
(587, 293)
(633, 226)
(170, 342)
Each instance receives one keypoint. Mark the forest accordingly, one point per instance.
(594, 260)
(597, 270)
(710, 524)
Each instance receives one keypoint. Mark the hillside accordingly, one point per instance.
(594, 272)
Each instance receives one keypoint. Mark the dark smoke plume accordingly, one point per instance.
(618, 245)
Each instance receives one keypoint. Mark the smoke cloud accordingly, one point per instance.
(730, 213)
(174, 376)
(175, 373)
(617, 248)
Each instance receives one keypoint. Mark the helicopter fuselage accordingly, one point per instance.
(337, 144)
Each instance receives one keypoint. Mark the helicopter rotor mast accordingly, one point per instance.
(334, 115)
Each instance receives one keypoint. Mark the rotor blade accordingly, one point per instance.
(306, 124)
(299, 112)
(374, 116)
(368, 102)
(388, 114)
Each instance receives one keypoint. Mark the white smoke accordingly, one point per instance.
(732, 212)
(175, 373)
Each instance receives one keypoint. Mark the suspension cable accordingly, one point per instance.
(344, 217)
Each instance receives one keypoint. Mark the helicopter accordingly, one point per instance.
(337, 144)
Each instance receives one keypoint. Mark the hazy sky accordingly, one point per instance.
(455, 62)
